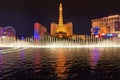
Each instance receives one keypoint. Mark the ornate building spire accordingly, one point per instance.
(61, 28)
(60, 15)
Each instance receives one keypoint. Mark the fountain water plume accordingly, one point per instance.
(53, 42)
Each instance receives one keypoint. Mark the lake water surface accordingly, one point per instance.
(60, 64)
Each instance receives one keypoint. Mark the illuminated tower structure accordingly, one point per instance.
(39, 31)
(61, 30)
(36, 31)
(60, 24)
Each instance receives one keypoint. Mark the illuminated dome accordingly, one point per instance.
(10, 28)
(7, 31)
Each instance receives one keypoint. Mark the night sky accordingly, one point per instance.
(22, 14)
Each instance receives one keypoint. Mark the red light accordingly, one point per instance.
(103, 34)
(96, 36)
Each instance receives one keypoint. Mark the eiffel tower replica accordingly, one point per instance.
(61, 31)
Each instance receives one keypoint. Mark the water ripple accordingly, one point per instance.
(60, 64)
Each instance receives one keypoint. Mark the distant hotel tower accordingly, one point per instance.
(106, 25)
(61, 30)
(39, 31)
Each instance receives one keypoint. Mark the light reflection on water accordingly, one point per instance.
(37, 61)
(61, 64)
(94, 57)
(1, 62)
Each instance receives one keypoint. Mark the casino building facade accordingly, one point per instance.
(106, 25)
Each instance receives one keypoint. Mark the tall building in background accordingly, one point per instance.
(39, 31)
(61, 30)
(106, 25)
(69, 28)
(54, 28)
